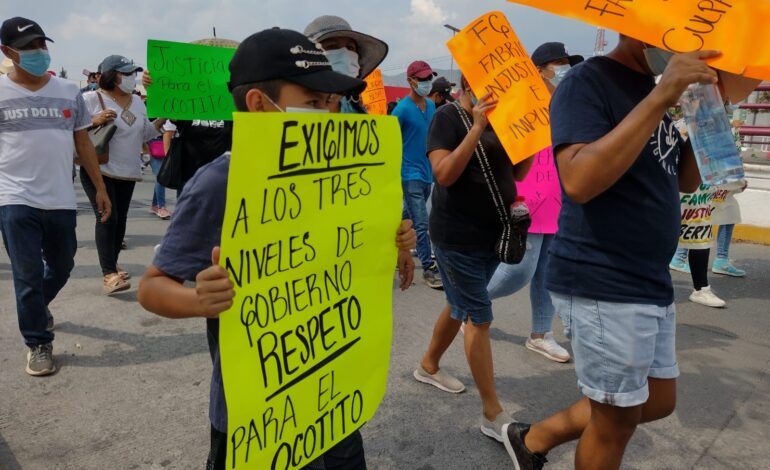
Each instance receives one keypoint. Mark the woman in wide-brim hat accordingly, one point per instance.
(350, 52)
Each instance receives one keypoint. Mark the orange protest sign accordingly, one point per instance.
(734, 27)
(374, 96)
(493, 60)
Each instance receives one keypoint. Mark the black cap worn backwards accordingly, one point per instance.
(18, 32)
(282, 54)
(552, 51)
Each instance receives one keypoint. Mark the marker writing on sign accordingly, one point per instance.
(693, 37)
(340, 416)
(317, 147)
(608, 7)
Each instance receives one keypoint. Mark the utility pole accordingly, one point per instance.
(601, 42)
(451, 58)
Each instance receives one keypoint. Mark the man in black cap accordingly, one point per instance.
(441, 92)
(274, 70)
(43, 123)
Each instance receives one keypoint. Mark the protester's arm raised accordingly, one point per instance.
(168, 297)
(587, 170)
(449, 165)
(89, 162)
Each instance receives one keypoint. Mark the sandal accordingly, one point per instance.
(125, 275)
(114, 283)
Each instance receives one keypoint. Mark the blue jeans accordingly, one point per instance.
(618, 347)
(159, 196)
(510, 278)
(724, 237)
(416, 195)
(466, 275)
(41, 245)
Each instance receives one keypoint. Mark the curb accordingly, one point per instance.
(752, 234)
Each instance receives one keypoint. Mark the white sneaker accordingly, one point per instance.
(494, 429)
(706, 297)
(548, 347)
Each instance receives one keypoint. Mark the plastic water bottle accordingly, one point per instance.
(711, 135)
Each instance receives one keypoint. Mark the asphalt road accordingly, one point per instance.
(132, 390)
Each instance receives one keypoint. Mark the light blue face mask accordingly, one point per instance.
(657, 59)
(344, 61)
(474, 100)
(92, 86)
(423, 88)
(559, 72)
(34, 62)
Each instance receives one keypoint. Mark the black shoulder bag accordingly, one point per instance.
(512, 244)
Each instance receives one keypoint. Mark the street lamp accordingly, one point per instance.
(451, 58)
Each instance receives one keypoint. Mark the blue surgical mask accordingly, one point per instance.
(344, 61)
(92, 86)
(34, 62)
(559, 72)
(474, 100)
(657, 59)
(423, 88)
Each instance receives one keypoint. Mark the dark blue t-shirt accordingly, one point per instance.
(185, 250)
(414, 135)
(617, 246)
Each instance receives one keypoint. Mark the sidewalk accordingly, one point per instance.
(132, 389)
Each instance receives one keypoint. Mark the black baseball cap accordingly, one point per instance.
(118, 63)
(283, 54)
(551, 51)
(18, 32)
(443, 86)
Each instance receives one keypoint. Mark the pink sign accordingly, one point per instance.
(543, 193)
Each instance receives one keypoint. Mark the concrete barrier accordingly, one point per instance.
(755, 206)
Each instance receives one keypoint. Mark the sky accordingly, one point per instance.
(86, 31)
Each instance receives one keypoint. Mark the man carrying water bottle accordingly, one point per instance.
(622, 163)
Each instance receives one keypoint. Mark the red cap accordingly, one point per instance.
(420, 69)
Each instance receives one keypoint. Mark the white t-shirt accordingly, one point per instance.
(37, 143)
(126, 144)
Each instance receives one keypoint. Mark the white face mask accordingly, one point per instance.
(290, 109)
(127, 83)
(344, 61)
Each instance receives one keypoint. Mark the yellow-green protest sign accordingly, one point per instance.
(313, 205)
(189, 81)
(734, 27)
(493, 60)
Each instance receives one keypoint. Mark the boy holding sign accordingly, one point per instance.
(622, 164)
(272, 71)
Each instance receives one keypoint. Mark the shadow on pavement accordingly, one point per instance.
(7, 458)
(132, 348)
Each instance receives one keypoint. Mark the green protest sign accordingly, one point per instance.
(189, 81)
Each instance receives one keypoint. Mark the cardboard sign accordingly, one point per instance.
(542, 192)
(374, 96)
(697, 229)
(493, 60)
(189, 81)
(313, 205)
(733, 27)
